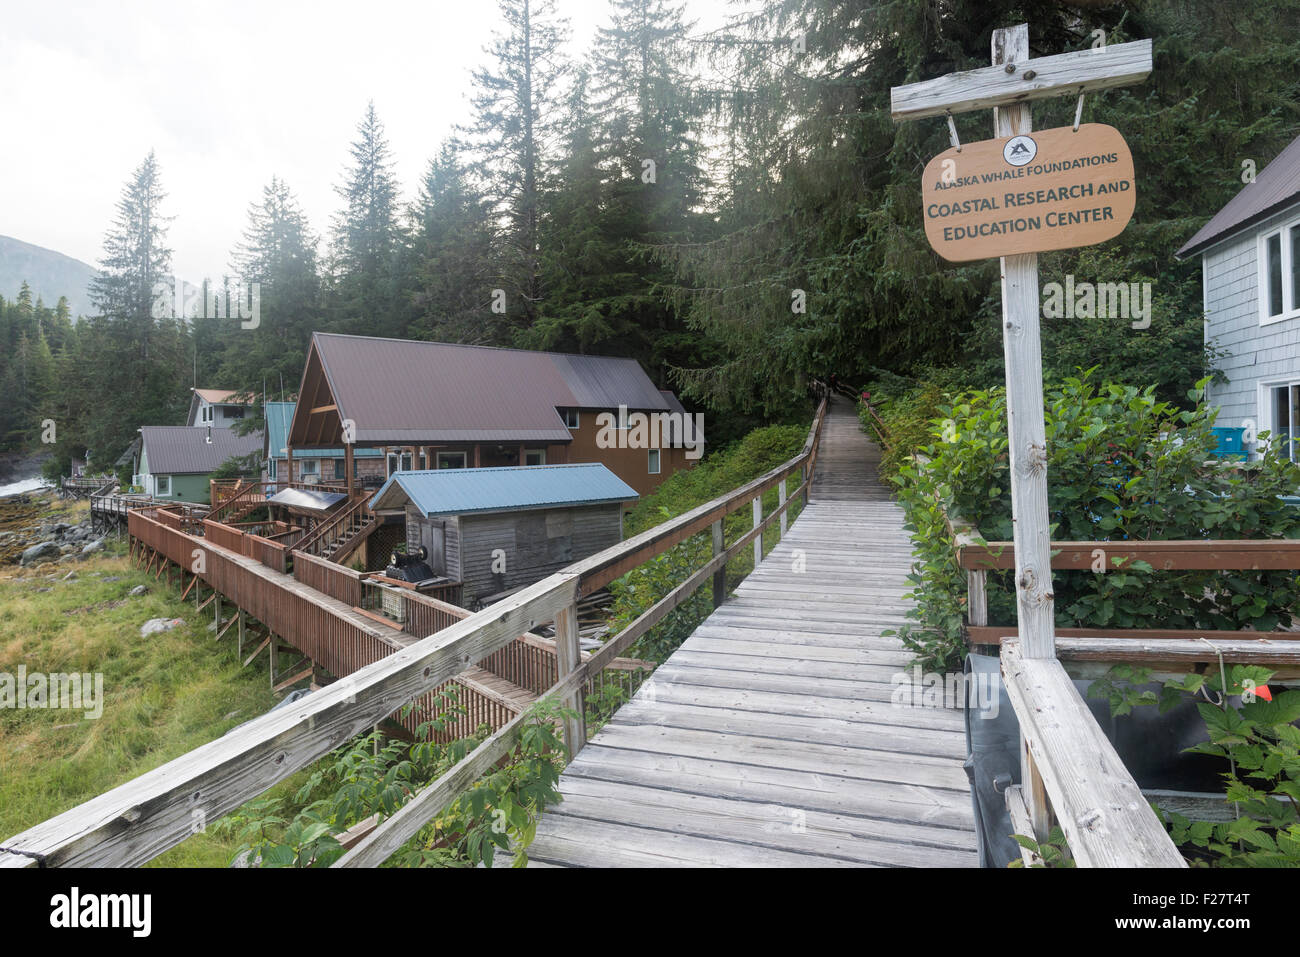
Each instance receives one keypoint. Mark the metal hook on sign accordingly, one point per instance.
(952, 131)
(1078, 111)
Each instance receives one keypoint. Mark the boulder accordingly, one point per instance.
(38, 553)
(91, 547)
(138, 590)
(155, 626)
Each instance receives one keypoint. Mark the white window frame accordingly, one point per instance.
(464, 460)
(270, 469)
(540, 453)
(653, 457)
(577, 418)
(1267, 420)
(309, 467)
(162, 485)
(1290, 305)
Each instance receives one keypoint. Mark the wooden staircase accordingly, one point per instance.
(339, 536)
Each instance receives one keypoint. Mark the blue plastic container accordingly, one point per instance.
(1230, 441)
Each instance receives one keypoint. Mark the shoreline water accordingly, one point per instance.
(24, 486)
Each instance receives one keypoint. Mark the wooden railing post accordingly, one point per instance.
(720, 576)
(977, 599)
(758, 539)
(568, 653)
(780, 493)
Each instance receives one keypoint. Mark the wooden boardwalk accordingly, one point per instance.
(768, 738)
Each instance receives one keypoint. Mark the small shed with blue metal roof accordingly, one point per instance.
(500, 529)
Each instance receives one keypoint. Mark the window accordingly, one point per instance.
(571, 418)
(162, 485)
(341, 469)
(653, 462)
(451, 460)
(534, 456)
(270, 469)
(309, 467)
(1284, 419)
(1279, 274)
(234, 412)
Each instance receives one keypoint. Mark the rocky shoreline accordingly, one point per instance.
(33, 536)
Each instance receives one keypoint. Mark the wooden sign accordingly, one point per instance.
(1051, 189)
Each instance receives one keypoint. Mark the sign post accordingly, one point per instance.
(1007, 87)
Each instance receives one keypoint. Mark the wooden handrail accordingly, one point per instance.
(1102, 811)
(394, 832)
(1254, 554)
(138, 820)
(319, 535)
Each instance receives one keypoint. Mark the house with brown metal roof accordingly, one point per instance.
(1250, 274)
(432, 405)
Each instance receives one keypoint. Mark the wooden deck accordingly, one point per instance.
(768, 738)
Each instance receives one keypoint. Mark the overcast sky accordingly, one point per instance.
(228, 94)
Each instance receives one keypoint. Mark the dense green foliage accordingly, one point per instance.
(1121, 465)
(1258, 741)
(721, 471)
(31, 335)
(665, 194)
(823, 188)
(377, 775)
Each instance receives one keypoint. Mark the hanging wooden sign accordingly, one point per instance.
(1050, 189)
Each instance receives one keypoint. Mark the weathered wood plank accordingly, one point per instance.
(781, 702)
(1106, 820)
(987, 87)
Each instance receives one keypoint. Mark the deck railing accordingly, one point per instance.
(139, 820)
(270, 553)
(241, 498)
(325, 576)
(1077, 777)
(349, 520)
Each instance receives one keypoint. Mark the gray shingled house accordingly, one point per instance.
(1250, 274)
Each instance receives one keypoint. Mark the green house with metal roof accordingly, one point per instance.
(176, 462)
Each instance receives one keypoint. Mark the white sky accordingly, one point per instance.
(228, 94)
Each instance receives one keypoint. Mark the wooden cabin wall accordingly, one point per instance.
(536, 543)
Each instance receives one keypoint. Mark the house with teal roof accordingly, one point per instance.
(326, 466)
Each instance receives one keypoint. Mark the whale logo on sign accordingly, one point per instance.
(1019, 150)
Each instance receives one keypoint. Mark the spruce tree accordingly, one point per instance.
(450, 268)
(511, 139)
(278, 253)
(137, 372)
(366, 238)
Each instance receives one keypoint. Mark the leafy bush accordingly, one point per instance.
(375, 775)
(1259, 743)
(1122, 465)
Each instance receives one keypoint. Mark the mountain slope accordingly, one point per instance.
(50, 274)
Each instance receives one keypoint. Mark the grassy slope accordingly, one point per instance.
(164, 695)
